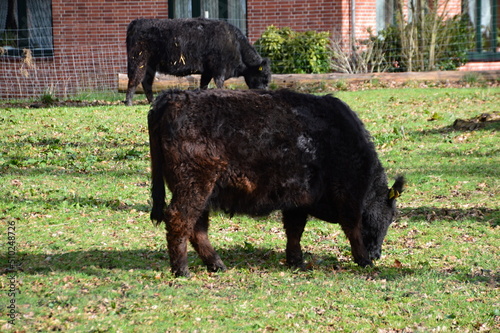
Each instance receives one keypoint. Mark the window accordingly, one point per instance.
(233, 11)
(484, 18)
(26, 24)
(385, 13)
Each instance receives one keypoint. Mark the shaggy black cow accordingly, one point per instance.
(253, 152)
(214, 49)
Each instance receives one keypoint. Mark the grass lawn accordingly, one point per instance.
(79, 254)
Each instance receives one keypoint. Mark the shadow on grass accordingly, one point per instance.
(98, 262)
(485, 121)
(430, 214)
(103, 263)
(80, 201)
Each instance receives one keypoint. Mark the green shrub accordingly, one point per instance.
(459, 36)
(48, 98)
(295, 52)
(389, 40)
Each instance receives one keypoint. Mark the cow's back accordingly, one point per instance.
(185, 46)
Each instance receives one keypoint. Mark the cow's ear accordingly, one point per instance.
(265, 63)
(396, 189)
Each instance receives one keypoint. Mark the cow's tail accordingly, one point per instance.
(131, 30)
(157, 166)
(130, 42)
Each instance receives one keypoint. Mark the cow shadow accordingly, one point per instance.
(483, 122)
(97, 262)
(86, 202)
(430, 214)
(103, 263)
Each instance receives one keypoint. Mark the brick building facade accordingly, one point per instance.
(88, 38)
(88, 49)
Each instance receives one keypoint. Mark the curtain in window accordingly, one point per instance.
(3, 15)
(183, 9)
(384, 13)
(39, 24)
(234, 11)
(5, 40)
(237, 14)
(485, 18)
(31, 27)
(210, 9)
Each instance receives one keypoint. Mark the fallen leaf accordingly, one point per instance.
(397, 264)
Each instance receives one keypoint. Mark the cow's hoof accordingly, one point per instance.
(364, 262)
(181, 273)
(302, 268)
(297, 265)
(216, 267)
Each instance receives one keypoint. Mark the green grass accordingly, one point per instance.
(74, 182)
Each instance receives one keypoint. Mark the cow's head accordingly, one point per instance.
(259, 76)
(378, 214)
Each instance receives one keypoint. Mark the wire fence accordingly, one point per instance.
(70, 71)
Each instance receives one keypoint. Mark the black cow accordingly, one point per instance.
(253, 152)
(215, 49)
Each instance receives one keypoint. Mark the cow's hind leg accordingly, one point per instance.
(200, 242)
(185, 221)
(180, 220)
(134, 78)
(130, 92)
(177, 235)
(179, 225)
(294, 222)
(147, 83)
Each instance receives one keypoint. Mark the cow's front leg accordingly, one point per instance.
(358, 249)
(205, 79)
(294, 222)
(200, 242)
(219, 81)
(352, 229)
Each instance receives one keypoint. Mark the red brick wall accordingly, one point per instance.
(94, 22)
(319, 15)
(365, 17)
(449, 8)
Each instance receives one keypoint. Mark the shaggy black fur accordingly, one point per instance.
(255, 151)
(215, 49)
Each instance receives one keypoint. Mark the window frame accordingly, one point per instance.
(23, 37)
(196, 11)
(479, 53)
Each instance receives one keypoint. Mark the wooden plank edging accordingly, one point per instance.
(163, 82)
